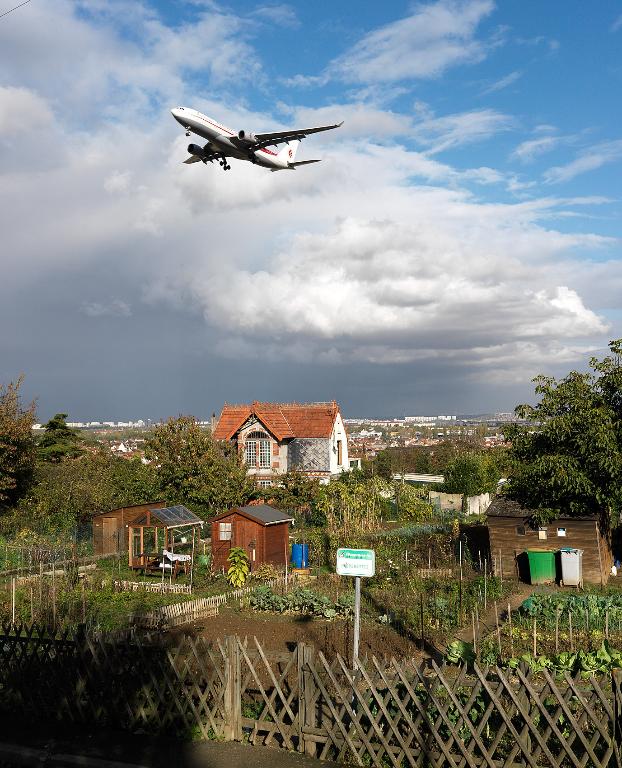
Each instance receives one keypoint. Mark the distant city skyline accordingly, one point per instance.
(406, 420)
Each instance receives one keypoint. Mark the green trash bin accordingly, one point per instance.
(541, 566)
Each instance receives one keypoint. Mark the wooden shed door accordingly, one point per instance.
(110, 543)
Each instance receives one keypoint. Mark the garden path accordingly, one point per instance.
(487, 621)
(115, 750)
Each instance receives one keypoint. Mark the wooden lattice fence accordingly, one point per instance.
(387, 713)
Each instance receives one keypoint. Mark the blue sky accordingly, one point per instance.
(461, 235)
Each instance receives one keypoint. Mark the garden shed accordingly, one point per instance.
(259, 529)
(512, 533)
(109, 536)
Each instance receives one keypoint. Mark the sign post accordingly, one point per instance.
(360, 563)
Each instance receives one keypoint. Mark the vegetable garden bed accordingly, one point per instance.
(564, 632)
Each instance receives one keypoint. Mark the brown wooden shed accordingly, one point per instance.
(261, 530)
(512, 534)
(109, 528)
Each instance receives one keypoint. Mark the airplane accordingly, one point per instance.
(223, 143)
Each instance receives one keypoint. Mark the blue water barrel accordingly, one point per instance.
(300, 555)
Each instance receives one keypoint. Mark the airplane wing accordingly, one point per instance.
(207, 156)
(279, 137)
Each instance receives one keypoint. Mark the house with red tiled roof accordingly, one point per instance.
(276, 438)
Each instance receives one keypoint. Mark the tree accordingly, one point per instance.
(59, 441)
(65, 494)
(17, 446)
(382, 465)
(570, 462)
(194, 469)
(471, 474)
(294, 491)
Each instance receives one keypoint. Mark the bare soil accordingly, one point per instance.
(488, 620)
(282, 632)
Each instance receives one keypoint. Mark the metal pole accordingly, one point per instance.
(357, 621)
(194, 530)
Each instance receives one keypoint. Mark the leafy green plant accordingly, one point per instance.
(239, 568)
(300, 600)
(587, 663)
(460, 652)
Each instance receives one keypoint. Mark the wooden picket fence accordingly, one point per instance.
(192, 610)
(388, 712)
(179, 613)
(159, 587)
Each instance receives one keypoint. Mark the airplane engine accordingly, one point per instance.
(195, 149)
(247, 138)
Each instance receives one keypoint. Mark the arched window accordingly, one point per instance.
(257, 450)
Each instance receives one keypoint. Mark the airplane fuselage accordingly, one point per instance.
(223, 140)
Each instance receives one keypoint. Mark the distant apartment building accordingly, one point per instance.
(427, 420)
(276, 438)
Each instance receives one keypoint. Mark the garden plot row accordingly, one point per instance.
(574, 633)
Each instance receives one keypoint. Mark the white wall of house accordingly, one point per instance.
(338, 436)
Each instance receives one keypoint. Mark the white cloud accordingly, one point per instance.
(281, 14)
(432, 39)
(438, 134)
(466, 277)
(589, 159)
(103, 70)
(503, 82)
(617, 24)
(22, 110)
(528, 150)
(360, 120)
(118, 182)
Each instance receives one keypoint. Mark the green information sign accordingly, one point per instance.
(356, 562)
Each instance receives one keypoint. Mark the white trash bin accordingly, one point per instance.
(572, 567)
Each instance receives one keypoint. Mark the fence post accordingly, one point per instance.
(232, 730)
(616, 680)
(306, 705)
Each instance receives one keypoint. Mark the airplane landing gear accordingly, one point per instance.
(223, 164)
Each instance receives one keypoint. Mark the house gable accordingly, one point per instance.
(307, 437)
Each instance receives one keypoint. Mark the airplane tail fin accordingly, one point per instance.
(288, 152)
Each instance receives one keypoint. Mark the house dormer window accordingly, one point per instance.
(257, 450)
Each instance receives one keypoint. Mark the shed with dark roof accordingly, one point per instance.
(262, 531)
(512, 532)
